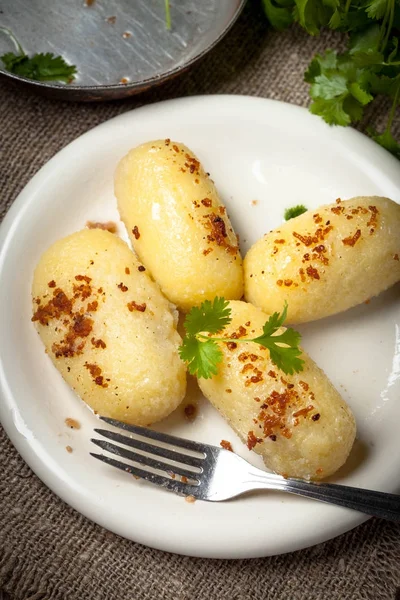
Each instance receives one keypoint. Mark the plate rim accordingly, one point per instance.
(10, 220)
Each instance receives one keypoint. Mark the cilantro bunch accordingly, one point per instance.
(343, 84)
(201, 350)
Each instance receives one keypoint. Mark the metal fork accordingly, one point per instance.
(206, 472)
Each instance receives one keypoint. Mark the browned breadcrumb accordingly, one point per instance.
(98, 343)
(190, 499)
(352, 239)
(107, 226)
(68, 449)
(190, 411)
(252, 440)
(226, 445)
(72, 423)
(303, 412)
(217, 227)
(312, 272)
(134, 306)
(92, 306)
(231, 345)
(95, 372)
(240, 332)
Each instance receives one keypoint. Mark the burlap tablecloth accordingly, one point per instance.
(49, 551)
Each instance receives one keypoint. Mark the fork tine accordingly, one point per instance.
(172, 485)
(150, 448)
(160, 437)
(144, 460)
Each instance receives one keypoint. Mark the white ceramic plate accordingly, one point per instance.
(278, 155)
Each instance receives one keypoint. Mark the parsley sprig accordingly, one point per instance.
(40, 67)
(294, 211)
(343, 84)
(201, 352)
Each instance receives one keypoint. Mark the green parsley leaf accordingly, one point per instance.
(40, 67)
(202, 357)
(209, 316)
(331, 111)
(339, 88)
(11, 60)
(294, 211)
(314, 14)
(285, 357)
(365, 40)
(386, 140)
(360, 94)
(279, 16)
(376, 9)
(275, 321)
(329, 87)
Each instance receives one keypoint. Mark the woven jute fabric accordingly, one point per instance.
(49, 551)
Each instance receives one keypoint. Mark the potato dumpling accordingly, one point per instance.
(298, 423)
(327, 260)
(177, 224)
(107, 328)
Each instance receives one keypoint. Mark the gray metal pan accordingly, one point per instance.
(120, 47)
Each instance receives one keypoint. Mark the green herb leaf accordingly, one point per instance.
(40, 67)
(360, 94)
(202, 357)
(386, 140)
(294, 211)
(329, 87)
(376, 9)
(283, 348)
(280, 17)
(331, 111)
(315, 14)
(365, 40)
(209, 316)
(340, 88)
(11, 60)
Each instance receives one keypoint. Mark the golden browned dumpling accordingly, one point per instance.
(107, 328)
(177, 224)
(326, 261)
(298, 423)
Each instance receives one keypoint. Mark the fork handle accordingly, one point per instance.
(370, 502)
